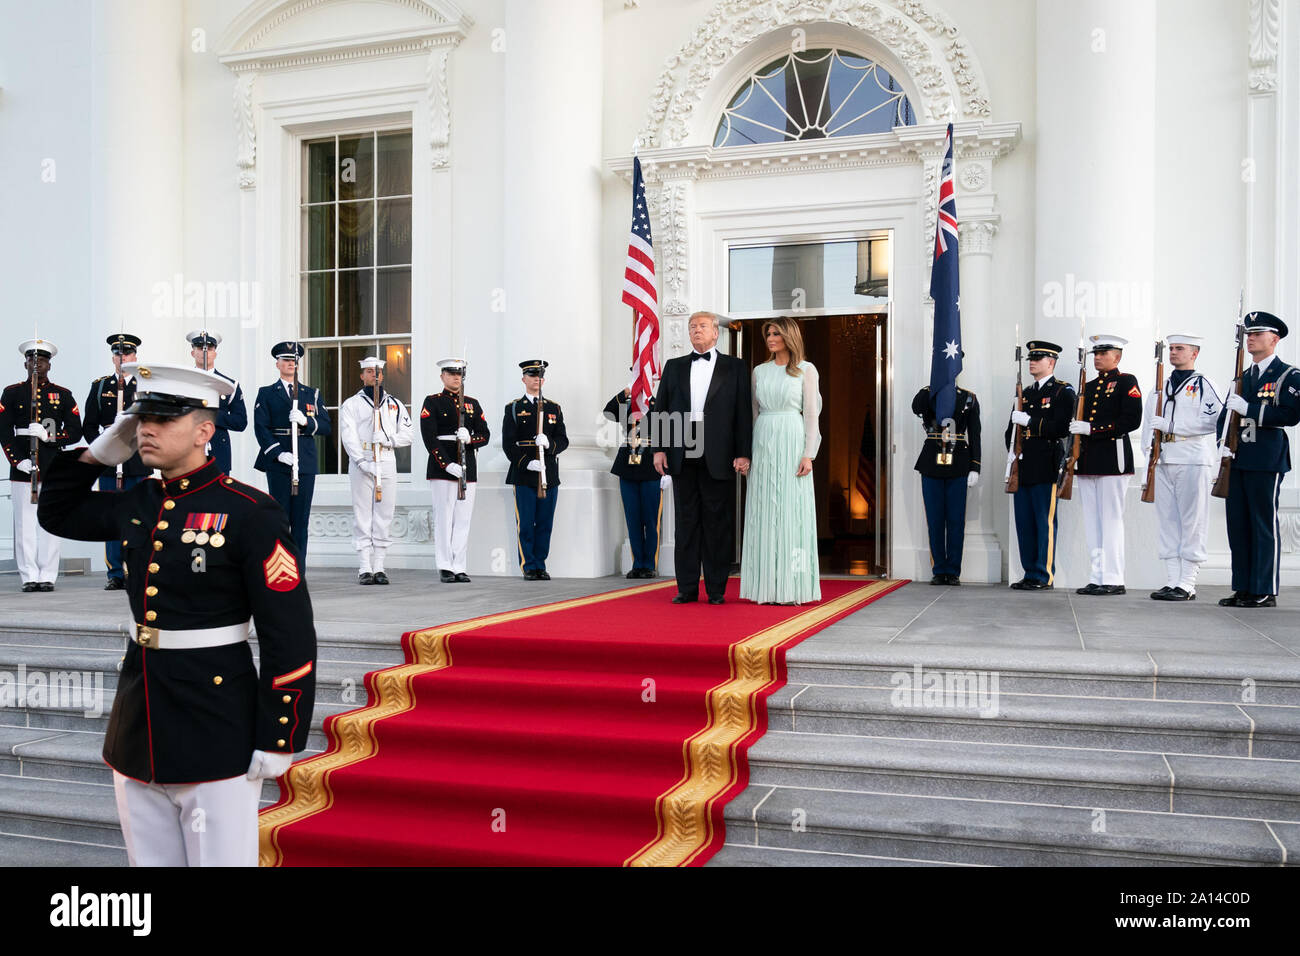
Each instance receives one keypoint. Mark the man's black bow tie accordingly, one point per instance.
(707, 356)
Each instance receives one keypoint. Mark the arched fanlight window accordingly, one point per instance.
(813, 95)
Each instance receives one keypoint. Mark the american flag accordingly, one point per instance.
(945, 357)
(639, 293)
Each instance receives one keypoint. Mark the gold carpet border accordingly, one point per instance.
(684, 812)
(352, 734)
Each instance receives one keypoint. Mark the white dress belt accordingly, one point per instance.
(160, 640)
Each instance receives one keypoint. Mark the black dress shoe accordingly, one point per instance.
(381, 577)
(953, 581)
(1024, 584)
(634, 573)
(115, 584)
(543, 575)
(1172, 594)
(939, 579)
(1162, 594)
(365, 577)
(1089, 589)
(680, 598)
(30, 587)
(449, 577)
(46, 585)
(717, 600)
(1258, 600)
(1108, 589)
(462, 577)
(530, 574)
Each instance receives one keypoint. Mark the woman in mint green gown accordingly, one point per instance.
(778, 563)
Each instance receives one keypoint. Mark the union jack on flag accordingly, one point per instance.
(946, 354)
(639, 293)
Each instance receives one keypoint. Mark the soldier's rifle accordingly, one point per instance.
(1157, 436)
(1231, 436)
(1066, 490)
(1013, 467)
(121, 387)
(541, 452)
(460, 424)
(293, 426)
(375, 432)
(34, 441)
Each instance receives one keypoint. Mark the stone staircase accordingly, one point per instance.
(56, 793)
(1071, 758)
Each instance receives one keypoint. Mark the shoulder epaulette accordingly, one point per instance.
(1060, 381)
(98, 380)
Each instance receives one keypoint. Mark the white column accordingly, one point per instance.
(1095, 224)
(552, 187)
(136, 134)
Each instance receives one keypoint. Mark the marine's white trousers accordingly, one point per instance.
(1102, 497)
(189, 824)
(451, 523)
(36, 551)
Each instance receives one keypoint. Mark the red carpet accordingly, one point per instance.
(597, 731)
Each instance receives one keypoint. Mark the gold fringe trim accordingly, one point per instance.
(352, 735)
(684, 811)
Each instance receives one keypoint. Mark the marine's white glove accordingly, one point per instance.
(265, 766)
(1020, 418)
(25, 466)
(456, 471)
(972, 479)
(34, 430)
(534, 465)
(116, 443)
(1160, 423)
(665, 482)
(297, 417)
(1078, 427)
(285, 458)
(543, 441)
(1238, 404)
(1226, 452)
(462, 435)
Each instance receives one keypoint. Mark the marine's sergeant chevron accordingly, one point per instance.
(1269, 402)
(194, 726)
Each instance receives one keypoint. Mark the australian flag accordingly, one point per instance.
(945, 356)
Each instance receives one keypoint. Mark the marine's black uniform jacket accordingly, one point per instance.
(1112, 402)
(1274, 404)
(636, 431)
(518, 440)
(1050, 407)
(965, 444)
(186, 716)
(54, 404)
(101, 412)
(440, 416)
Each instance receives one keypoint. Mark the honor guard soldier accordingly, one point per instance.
(109, 396)
(528, 446)
(949, 464)
(279, 416)
(1044, 424)
(639, 484)
(1269, 402)
(195, 728)
(37, 417)
(453, 429)
(1112, 407)
(1188, 422)
(373, 425)
(232, 416)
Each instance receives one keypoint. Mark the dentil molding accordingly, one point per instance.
(929, 46)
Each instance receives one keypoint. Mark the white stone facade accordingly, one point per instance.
(1135, 150)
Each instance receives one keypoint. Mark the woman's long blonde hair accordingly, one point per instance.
(789, 330)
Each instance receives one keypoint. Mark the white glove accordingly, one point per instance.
(297, 417)
(265, 766)
(1226, 452)
(665, 482)
(534, 465)
(543, 441)
(1160, 423)
(1020, 418)
(365, 466)
(456, 471)
(117, 442)
(972, 479)
(1078, 427)
(1011, 457)
(462, 435)
(1238, 404)
(34, 430)
(286, 458)
(25, 466)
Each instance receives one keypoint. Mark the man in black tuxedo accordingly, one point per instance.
(704, 427)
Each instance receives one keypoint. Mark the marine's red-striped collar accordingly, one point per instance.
(192, 481)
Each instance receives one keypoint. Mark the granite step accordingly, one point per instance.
(948, 830)
(735, 854)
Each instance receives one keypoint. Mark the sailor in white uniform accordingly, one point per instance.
(1186, 469)
(371, 437)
